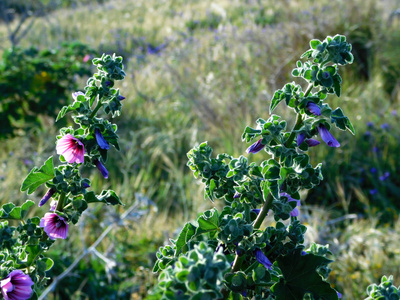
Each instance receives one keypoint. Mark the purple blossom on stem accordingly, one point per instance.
(339, 295)
(262, 259)
(101, 141)
(120, 98)
(385, 126)
(71, 148)
(312, 142)
(46, 197)
(16, 286)
(256, 210)
(327, 137)
(370, 124)
(101, 168)
(373, 192)
(295, 212)
(236, 195)
(314, 108)
(384, 176)
(300, 139)
(54, 225)
(53, 205)
(256, 147)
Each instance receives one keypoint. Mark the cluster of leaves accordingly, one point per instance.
(23, 247)
(385, 290)
(268, 263)
(36, 83)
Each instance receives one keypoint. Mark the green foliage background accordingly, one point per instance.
(202, 70)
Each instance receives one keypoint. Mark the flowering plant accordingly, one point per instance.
(227, 254)
(22, 247)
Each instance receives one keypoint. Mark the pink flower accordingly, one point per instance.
(86, 58)
(55, 226)
(16, 286)
(71, 148)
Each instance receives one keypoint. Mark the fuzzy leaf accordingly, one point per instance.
(38, 176)
(185, 236)
(208, 222)
(300, 277)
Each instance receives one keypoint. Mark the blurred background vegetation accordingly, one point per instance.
(202, 70)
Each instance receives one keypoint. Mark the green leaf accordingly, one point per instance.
(300, 277)
(276, 99)
(66, 109)
(38, 176)
(341, 121)
(106, 196)
(315, 43)
(10, 211)
(208, 222)
(185, 236)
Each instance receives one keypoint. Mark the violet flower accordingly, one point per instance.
(384, 176)
(101, 168)
(71, 148)
(55, 226)
(327, 137)
(314, 108)
(295, 212)
(300, 139)
(312, 142)
(256, 210)
(262, 259)
(46, 197)
(120, 98)
(256, 147)
(16, 286)
(101, 140)
(236, 195)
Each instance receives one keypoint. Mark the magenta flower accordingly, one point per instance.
(262, 259)
(314, 108)
(101, 168)
(101, 141)
(71, 148)
(327, 137)
(256, 147)
(55, 226)
(46, 197)
(16, 286)
(295, 212)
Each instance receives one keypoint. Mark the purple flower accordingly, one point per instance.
(71, 148)
(370, 124)
(85, 184)
(76, 94)
(385, 126)
(101, 168)
(256, 147)
(314, 108)
(54, 225)
(312, 142)
(339, 295)
(373, 170)
(327, 137)
(300, 139)
(384, 176)
(373, 192)
(16, 286)
(303, 253)
(101, 140)
(48, 195)
(262, 259)
(53, 205)
(120, 98)
(295, 212)
(394, 112)
(256, 210)
(237, 195)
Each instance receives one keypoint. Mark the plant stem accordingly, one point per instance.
(299, 120)
(263, 213)
(98, 105)
(60, 204)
